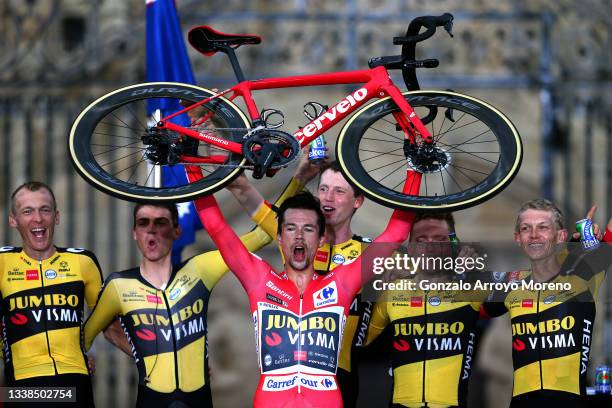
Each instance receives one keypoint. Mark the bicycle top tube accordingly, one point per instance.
(376, 84)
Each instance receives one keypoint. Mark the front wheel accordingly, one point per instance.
(115, 146)
(476, 152)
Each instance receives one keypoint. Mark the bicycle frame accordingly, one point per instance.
(376, 84)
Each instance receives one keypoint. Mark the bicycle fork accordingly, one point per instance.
(407, 119)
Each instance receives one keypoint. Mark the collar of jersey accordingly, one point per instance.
(138, 275)
(26, 257)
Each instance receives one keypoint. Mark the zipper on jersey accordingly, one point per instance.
(174, 345)
(42, 285)
(299, 351)
(539, 347)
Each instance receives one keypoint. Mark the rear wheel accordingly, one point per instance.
(475, 154)
(114, 145)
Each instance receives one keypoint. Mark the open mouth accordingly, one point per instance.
(327, 210)
(299, 253)
(536, 245)
(38, 232)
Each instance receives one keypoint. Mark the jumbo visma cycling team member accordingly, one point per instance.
(163, 310)
(339, 202)
(44, 289)
(433, 332)
(298, 315)
(552, 328)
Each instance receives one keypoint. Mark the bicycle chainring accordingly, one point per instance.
(284, 146)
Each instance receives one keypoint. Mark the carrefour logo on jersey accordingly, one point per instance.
(286, 382)
(326, 296)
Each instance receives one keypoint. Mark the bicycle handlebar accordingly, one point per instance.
(430, 23)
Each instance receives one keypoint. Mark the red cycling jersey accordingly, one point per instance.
(297, 336)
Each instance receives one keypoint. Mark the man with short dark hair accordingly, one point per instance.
(43, 289)
(339, 201)
(163, 310)
(298, 315)
(433, 332)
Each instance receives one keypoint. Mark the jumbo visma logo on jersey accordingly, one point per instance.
(287, 340)
(440, 335)
(555, 332)
(37, 310)
(154, 331)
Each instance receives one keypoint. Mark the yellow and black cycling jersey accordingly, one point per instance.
(552, 326)
(327, 258)
(432, 344)
(166, 328)
(42, 310)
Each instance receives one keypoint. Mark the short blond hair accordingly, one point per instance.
(32, 186)
(542, 205)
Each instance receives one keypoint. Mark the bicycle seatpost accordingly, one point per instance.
(234, 61)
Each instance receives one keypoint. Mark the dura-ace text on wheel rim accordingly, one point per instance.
(476, 152)
(115, 149)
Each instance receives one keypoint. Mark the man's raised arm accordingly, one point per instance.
(246, 266)
(261, 211)
(397, 231)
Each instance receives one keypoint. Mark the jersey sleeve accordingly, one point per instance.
(246, 266)
(92, 277)
(103, 314)
(378, 321)
(265, 217)
(211, 265)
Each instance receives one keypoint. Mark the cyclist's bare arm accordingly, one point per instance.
(249, 198)
(252, 201)
(115, 335)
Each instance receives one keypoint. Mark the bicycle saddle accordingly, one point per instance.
(208, 41)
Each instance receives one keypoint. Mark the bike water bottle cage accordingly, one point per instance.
(208, 41)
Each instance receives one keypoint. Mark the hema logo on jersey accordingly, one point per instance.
(286, 382)
(326, 296)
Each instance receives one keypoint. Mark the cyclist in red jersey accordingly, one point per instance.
(298, 315)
